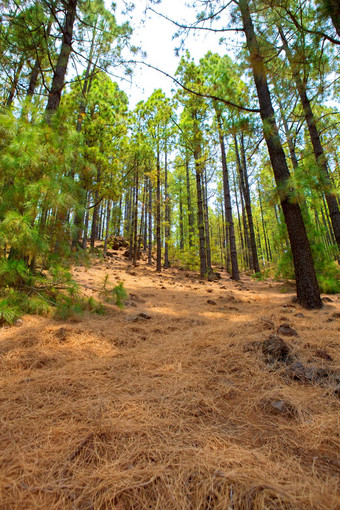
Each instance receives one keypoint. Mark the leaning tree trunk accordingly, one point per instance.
(308, 294)
(319, 154)
(64, 55)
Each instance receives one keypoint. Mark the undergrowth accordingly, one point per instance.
(52, 292)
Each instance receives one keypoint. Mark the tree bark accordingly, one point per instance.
(319, 154)
(230, 231)
(167, 214)
(200, 213)
(308, 294)
(158, 216)
(58, 80)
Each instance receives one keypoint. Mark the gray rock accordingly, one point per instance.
(275, 350)
(296, 371)
(287, 330)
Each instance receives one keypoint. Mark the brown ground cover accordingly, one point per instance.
(178, 411)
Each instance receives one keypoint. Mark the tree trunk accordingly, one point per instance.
(230, 231)
(14, 85)
(167, 214)
(181, 229)
(64, 55)
(319, 154)
(108, 215)
(206, 220)
(150, 225)
(308, 294)
(247, 200)
(190, 211)
(158, 216)
(135, 222)
(200, 213)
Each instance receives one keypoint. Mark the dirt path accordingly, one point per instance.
(177, 411)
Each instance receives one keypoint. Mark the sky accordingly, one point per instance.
(155, 37)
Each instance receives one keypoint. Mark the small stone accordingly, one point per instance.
(275, 350)
(317, 374)
(209, 290)
(327, 300)
(296, 371)
(211, 302)
(294, 299)
(18, 322)
(279, 407)
(285, 329)
(299, 315)
(137, 317)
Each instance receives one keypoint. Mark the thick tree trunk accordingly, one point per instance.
(332, 8)
(64, 55)
(308, 294)
(319, 154)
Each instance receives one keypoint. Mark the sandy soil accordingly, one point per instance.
(176, 411)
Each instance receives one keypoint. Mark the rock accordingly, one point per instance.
(18, 322)
(275, 350)
(299, 315)
(211, 302)
(126, 253)
(327, 300)
(294, 299)
(279, 407)
(285, 329)
(296, 371)
(212, 277)
(317, 374)
(137, 317)
(209, 290)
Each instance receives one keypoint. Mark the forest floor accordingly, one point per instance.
(183, 407)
